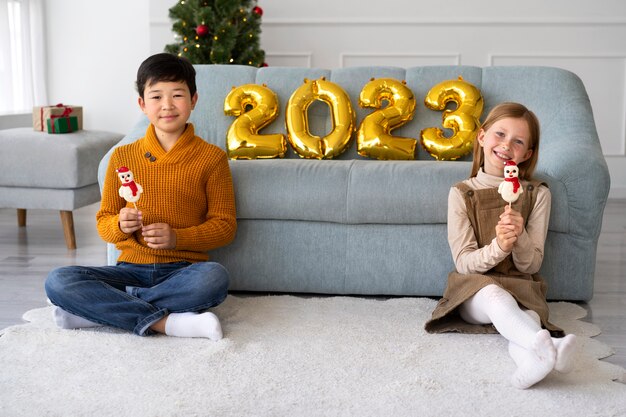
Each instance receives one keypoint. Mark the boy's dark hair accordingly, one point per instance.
(166, 67)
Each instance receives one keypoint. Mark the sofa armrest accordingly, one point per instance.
(572, 162)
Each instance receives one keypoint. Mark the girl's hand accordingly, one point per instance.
(509, 228)
(130, 220)
(506, 237)
(159, 236)
(513, 220)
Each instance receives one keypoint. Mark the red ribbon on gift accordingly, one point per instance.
(66, 113)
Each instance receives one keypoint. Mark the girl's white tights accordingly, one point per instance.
(534, 352)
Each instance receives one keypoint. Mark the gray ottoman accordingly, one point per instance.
(51, 171)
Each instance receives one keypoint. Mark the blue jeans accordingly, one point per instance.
(135, 296)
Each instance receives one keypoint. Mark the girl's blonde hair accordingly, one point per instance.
(516, 111)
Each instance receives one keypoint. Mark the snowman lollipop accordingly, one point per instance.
(130, 190)
(510, 189)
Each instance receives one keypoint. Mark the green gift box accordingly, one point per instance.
(61, 124)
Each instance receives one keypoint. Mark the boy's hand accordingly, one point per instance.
(159, 236)
(130, 220)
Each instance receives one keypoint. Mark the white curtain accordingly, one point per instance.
(22, 56)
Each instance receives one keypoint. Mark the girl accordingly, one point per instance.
(498, 250)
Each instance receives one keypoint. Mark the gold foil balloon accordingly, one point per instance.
(255, 107)
(373, 136)
(342, 116)
(463, 121)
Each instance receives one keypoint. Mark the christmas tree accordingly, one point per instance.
(217, 32)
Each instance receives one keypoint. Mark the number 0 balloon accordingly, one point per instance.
(342, 116)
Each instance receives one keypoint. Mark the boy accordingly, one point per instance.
(163, 281)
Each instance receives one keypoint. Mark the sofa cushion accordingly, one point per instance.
(402, 192)
(40, 160)
(359, 191)
(352, 192)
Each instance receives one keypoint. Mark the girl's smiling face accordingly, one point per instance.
(507, 139)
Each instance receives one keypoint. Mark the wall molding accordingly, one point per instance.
(344, 56)
(430, 21)
(437, 21)
(554, 56)
(308, 56)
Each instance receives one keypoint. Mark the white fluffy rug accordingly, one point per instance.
(292, 356)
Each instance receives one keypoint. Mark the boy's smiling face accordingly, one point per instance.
(168, 105)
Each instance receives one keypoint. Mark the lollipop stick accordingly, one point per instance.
(134, 204)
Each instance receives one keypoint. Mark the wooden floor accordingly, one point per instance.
(28, 254)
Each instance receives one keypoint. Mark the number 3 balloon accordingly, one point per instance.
(464, 120)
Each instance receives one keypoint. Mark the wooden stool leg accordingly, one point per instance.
(21, 217)
(68, 228)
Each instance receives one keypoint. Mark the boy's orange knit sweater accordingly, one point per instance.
(189, 187)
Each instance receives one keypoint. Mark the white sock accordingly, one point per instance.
(566, 349)
(533, 364)
(66, 320)
(194, 325)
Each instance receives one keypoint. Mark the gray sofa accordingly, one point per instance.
(354, 225)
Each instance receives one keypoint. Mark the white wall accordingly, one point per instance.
(110, 39)
(93, 51)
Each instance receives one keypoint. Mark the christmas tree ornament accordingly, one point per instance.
(258, 10)
(202, 30)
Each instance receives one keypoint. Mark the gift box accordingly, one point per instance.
(62, 124)
(42, 113)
